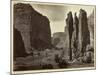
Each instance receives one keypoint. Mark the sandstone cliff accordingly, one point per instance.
(34, 27)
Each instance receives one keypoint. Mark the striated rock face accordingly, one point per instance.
(69, 23)
(84, 34)
(41, 33)
(22, 22)
(34, 27)
(78, 32)
(91, 19)
(19, 48)
(76, 26)
(75, 35)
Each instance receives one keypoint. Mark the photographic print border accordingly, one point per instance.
(54, 70)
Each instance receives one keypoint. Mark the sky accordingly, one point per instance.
(57, 13)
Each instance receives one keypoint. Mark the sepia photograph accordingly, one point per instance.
(48, 37)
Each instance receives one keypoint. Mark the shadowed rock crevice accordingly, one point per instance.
(19, 48)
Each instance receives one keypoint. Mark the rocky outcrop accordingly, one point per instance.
(84, 34)
(34, 27)
(58, 39)
(77, 34)
(69, 23)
